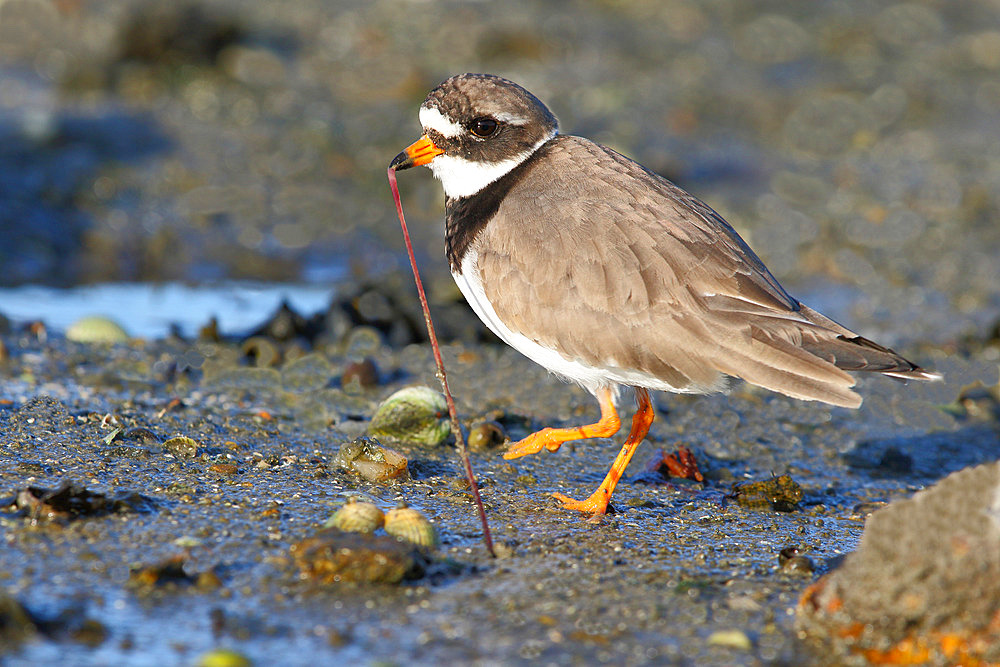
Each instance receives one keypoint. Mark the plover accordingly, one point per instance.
(609, 275)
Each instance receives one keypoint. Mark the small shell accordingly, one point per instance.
(182, 446)
(408, 524)
(368, 458)
(781, 493)
(223, 657)
(357, 517)
(486, 435)
(96, 329)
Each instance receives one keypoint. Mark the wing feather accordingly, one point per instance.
(615, 266)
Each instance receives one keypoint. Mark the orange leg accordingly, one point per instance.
(553, 438)
(597, 503)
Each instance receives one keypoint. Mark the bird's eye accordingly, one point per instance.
(484, 127)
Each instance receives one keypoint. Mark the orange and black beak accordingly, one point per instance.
(416, 154)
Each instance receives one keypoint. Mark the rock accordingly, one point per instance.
(168, 571)
(16, 622)
(332, 556)
(736, 639)
(924, 583)
(69, 502)
(181, 446)
(359, 375)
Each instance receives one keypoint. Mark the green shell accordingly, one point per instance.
(416, 415)
(182, 446)
(222, 657)
(781, 493)
(96, 329)
(486, 435)
(357, 517)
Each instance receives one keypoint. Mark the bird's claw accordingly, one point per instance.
(596, 505)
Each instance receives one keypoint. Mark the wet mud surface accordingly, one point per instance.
(153, 490)
(681, 571)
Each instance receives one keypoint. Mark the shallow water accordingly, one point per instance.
(150, 311)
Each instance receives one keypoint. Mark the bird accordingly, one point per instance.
(611, 276)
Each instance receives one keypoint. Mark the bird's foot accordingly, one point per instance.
(548, 438)
(596, 504)
(553, 438)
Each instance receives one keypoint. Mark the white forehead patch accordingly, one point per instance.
(432, 119)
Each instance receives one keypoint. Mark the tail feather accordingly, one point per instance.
(776, 363)
(800, 353)
(858, 354)
(849, 351)
(808, 358)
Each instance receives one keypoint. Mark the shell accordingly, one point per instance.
(357, 517)
(486, 435)
(781, 493)
(417, 415)
(223, 657)
(181, 446)
(406, 523)
(368, 458)
(96, 329)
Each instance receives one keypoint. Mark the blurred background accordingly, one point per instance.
(855, 145)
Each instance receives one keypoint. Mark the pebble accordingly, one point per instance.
(736, 639)
(332, 556)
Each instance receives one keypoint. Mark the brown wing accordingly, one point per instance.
(656, 281)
